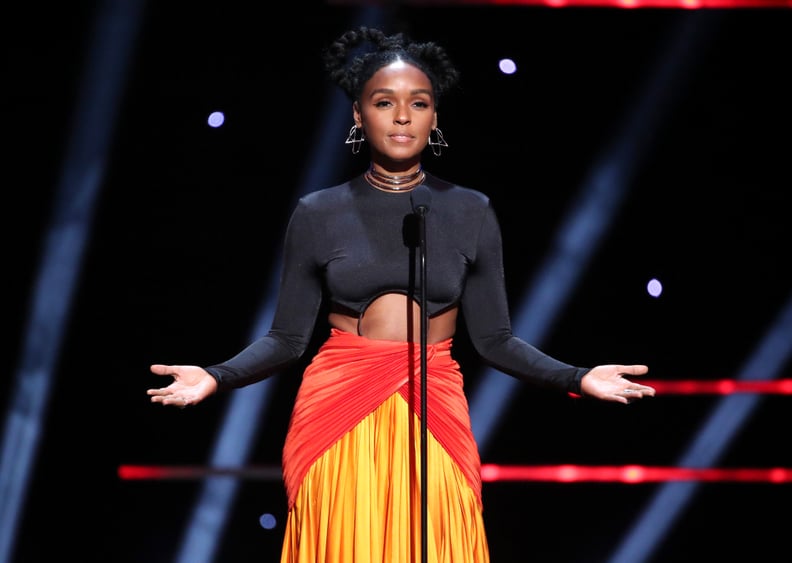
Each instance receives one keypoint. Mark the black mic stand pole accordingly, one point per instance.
(420, 198)
(424, 331)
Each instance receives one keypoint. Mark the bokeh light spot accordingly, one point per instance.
(216, 119)
(267, 521)
(507, 66)
(654, 287)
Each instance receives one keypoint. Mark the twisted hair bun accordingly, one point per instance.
(355, 56)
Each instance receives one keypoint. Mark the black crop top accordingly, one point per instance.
(348, 244)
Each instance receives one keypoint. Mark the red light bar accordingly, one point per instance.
(627, 4)
(492, 473)
(630, 474)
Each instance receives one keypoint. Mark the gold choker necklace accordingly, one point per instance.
(388, 183)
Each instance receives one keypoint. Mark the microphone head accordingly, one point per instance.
(421, 198)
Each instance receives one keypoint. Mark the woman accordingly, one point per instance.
(351, 455)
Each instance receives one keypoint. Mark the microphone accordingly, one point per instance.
(420, 198)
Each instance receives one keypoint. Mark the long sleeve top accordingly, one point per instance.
(350, 243)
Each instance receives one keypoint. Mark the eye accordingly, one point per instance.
(382, 103)
(421, 104)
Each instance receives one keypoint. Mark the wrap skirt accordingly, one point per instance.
(351, 459)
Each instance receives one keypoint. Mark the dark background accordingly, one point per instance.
(189, 221)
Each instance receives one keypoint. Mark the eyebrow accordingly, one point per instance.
(426, 91)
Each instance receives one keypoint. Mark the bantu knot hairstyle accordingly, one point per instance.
(350, 64)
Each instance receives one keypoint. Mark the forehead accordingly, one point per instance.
(399, 74)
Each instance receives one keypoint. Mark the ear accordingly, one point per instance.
(434, 121)
(356, 115)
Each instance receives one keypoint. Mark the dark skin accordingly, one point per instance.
(397, 112)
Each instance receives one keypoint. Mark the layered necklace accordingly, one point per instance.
(388, 183)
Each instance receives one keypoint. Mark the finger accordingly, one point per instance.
(168, 399)
(162, 369)
(635, 369)
(638, 392)
(636, 386)
(180, 402)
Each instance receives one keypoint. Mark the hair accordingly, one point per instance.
(351, 71)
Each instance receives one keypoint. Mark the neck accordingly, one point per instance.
(394, 183)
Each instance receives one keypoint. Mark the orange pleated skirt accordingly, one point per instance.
(352, 466)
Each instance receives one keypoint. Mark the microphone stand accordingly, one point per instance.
(424, 330)
(420, 198)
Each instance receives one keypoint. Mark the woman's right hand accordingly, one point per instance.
(191, 385)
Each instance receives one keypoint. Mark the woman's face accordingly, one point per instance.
(396, 111)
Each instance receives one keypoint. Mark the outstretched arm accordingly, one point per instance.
(299, 300)
(191, 385)
(608, 383)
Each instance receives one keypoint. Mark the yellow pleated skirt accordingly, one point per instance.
(360, 502)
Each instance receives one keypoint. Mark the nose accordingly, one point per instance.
(402, 115)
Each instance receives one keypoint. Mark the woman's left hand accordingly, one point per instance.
(608, 383)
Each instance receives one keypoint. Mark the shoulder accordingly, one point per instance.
(324, 197)
(454, 197)
(322, 201)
